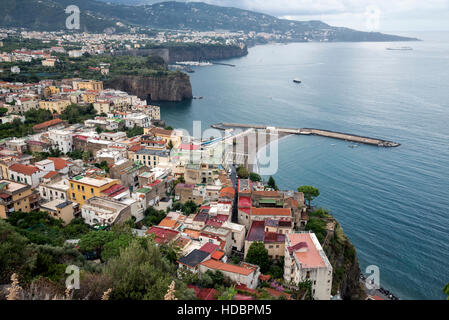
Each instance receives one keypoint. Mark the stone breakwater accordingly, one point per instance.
(311, 131)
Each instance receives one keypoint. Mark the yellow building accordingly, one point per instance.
(89, 97)
(56, 105)
(88, 85)
(103, 107)
(82, 188)
(16, 196)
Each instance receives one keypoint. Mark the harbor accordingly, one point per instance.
(313, 131)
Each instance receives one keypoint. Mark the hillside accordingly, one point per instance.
(97, 16)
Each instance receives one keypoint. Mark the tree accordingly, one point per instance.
(94, 241)
(3, 111)
(153, 216)
(255, 177)
(446, 290)
(189, 207)
(141, 272)
(242, 172)
(76, 228)
(310, 193)
(98, 130)
(258, 255)
(170, 144)
(228, 294)
(272, 183)
(15, 254)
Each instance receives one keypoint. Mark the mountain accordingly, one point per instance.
(97, 16)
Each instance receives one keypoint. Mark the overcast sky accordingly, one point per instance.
(380, 15)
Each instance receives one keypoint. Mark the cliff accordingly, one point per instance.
(206, 52)
(341, 254)
(174, 87)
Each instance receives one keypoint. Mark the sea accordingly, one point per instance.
(393, 203)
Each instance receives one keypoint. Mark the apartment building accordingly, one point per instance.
(16, 196)
(98, 211)
(83, 188)
(304, 259)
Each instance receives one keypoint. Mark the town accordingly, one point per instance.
(122, 165)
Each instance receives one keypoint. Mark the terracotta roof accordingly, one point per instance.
(267, 193)
(51, 174)
(47, 124)
(244, 202)
(192, 233)
(270, 211)
(217, 265)
(162, 235)
(59, 163)
(169, 223)
(21, 168)
(227, 192)
(160, 131)
(209, 247)
(303, 247)
(217, 255)
(135, 148)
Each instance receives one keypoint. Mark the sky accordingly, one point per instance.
(364, 15)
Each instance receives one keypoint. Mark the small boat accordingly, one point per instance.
(296, 80)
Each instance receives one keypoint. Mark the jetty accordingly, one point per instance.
(312, 131)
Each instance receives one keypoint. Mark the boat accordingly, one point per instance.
(296, 80)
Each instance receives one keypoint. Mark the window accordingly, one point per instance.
(92, 190)
(82, 188)
(73, 196)
(84, 197)
(71, 185)
(78, 187)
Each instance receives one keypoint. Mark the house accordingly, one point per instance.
(51, 124)
(59, 209)
(61, 139)
(245, 273)
(152, 158)
(54, 105)
(192, 261)
(50, 190)
(30, 175)
(274, 242)
(98, 211)
(305, 260)
(16, 196)
(163, 235)
(83, 188)
(246, 217)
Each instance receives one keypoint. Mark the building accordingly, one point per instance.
(47, 125)
(192, 261)
(83, 188)
(60, 209)
(90, 85)
(137, 120)
(55, 105)
(151, 158)
(305, 260)
(54, 190)
(30, 175)
(98, 211)
(244, 274)
(246, 217)
(16, 196)
(269, 235)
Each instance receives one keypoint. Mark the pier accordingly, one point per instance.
(312, 131)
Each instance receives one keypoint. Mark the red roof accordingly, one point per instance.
(203, 294)
(217, 265)
(217, 255)
(59, 163)
(47, 124)
(244, 202)
(21, 168)
(163, 235)
(227, 192)
(271, 211)
(114, 190)
(209, 247)
(50, 174)
(190, 147)
(135, 148)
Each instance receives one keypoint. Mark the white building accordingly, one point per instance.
(305, 259)
(137, 119)
(30, 175)
(104, 211)
(55, 190)
(62, 140)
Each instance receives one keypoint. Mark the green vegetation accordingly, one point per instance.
(136, 131)
(19, 129)
(272, 183)
(187, 208)
(103, 166)
(318, 227)
(242, 172)
(255, 177)
(77, 114)
(3, 111)
(258, 255)
(153, 216)
(310, 193)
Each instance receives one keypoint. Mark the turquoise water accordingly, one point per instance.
(392, 203)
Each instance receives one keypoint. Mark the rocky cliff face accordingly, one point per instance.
(343, 258)
(173, 87)
(206, 52)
